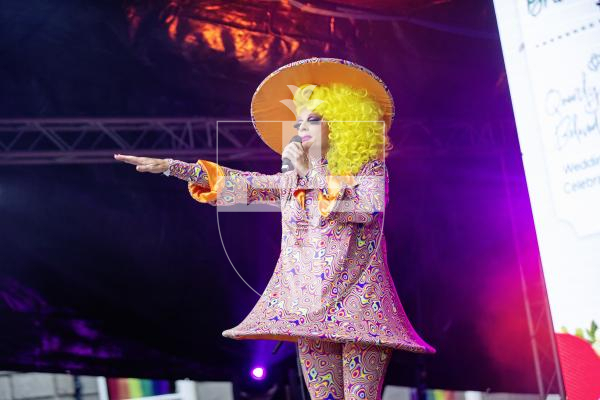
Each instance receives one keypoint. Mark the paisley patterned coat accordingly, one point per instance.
(331, 280)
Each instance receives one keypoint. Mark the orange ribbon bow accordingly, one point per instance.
(327, 201)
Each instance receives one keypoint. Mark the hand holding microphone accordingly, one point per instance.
(294, 156)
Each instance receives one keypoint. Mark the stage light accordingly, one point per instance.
(258, 373)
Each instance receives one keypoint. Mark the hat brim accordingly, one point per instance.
(267, 111)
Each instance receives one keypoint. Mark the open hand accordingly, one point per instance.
(145, 164)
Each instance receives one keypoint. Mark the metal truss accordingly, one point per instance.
(537, 309)
(89, 140)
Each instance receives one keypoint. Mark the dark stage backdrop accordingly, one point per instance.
(106, 271)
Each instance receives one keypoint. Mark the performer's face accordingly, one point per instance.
(313, 128)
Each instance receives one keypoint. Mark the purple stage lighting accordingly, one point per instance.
(258, 373)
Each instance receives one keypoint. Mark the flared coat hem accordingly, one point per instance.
(408, 345)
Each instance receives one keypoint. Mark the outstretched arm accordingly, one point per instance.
(218, 185)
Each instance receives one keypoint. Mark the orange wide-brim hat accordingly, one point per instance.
(268, 111)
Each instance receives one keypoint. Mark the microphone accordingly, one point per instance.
(286, 164)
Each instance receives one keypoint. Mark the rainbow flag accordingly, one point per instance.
(127, 388)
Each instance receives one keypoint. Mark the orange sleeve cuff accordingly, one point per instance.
(215, 174)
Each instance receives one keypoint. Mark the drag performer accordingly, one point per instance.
(331, 291)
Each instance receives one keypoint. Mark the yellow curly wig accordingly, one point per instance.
(351, 144)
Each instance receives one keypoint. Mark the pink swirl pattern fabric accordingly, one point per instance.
(331, 280)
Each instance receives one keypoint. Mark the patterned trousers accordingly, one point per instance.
(343, 371)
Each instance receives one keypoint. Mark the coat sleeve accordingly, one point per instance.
(217, 185)
(359, 199)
